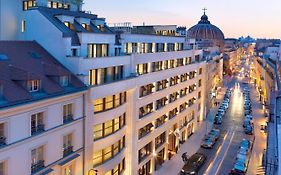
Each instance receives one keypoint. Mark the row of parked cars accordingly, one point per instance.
(223, 107)
(242, 158)
(248, 121)
(210, 139)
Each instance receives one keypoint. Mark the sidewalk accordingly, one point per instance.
(174, 166)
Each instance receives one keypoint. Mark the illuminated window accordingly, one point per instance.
(67, 24)
(33, 85)
(23, 26)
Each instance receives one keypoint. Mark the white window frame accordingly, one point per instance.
(64, 80)
(33, 85)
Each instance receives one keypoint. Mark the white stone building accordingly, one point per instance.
(146, 92)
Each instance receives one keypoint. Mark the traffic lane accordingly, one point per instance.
(210, 153)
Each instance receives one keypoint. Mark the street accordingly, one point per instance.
(221, 157)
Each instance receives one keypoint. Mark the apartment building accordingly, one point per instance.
(41, 113)
(146, 93)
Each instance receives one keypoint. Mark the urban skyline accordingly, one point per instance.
(256, 18)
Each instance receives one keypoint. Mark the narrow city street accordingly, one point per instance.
(221, 158)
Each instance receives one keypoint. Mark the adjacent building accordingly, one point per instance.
(42, 112)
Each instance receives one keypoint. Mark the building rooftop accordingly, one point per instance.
(25, 61)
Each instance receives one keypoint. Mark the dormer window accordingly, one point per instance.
(86, 26)
(101, 28)
(33, 85)
(67, 24)
(64, 81)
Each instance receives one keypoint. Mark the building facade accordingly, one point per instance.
(146, 93)
(41, 113)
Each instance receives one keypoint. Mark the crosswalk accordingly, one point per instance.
(260, 170)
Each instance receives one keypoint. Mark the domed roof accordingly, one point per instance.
(205, 30)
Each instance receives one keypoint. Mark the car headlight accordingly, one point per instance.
(193, 172)
(182, 170)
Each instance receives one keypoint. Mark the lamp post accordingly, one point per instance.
(93, 172)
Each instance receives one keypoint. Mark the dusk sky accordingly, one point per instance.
(258, 18)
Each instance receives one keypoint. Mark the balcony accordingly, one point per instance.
(37, 166)
(67, 119)
(37, 129)
(67, 150)
(2, 141)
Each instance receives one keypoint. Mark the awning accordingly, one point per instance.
(69, 159)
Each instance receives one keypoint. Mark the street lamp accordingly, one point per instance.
(93, 172)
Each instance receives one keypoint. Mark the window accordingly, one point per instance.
(2, 135)
(161, 102)
(142, 69)
(33, 85)
(104, 129)
(118, 169)
(67, 113)
(160, 140)
(200, 71)
(145, 169)
(37, 123)
(161, 120)
(105, 154)
(184, 77)
(173, 113)
(146, 90)
(160, 85)
(145, 130)
(199, 94)
(67, 145)
(1, 92)
(109, 102)
(183, 106)
(37, 159)
(98, 50)
(29, 4)
(157, 66)
(174, 80)
(145, 152)
(172, 63)
(105, 75)
(23, 26)
(68, 170)
(173, 97)
(183, 92)
(179, 62)
(64, 80)
(145, 110)
(200, 83)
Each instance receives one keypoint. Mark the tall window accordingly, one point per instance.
(2, 134)
(145, 152)
(37, 123)
(68, 170)
(67, 144)
(23, 26)
(145, 130)
(37, 159)
(146, 90)
(145, 110)
(67, 113)
(160, 85)
(160, 140)
(142, 69)
(145, 169)
(33, 85)
(105, 75)
(98, 50)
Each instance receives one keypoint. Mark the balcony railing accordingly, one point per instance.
(2, 140)
(37, 129)
(37, 166)
(68, 150)
(67, 119)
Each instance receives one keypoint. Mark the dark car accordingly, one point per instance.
(193, 164)
(249, 129)
(218, 120)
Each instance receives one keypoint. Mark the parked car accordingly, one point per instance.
(193, 164)
(215, 133)
(249, 117)
(218, 120)
(246, 144)
(208, 142)
(239, 168)
(249, 129)
(247, 112)
(247, 122)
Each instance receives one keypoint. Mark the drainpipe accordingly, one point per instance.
(84, 135)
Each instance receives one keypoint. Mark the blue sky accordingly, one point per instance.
(258, 18)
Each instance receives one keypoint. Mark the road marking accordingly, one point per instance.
(225, 153)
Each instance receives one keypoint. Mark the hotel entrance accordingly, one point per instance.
(173, 145)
